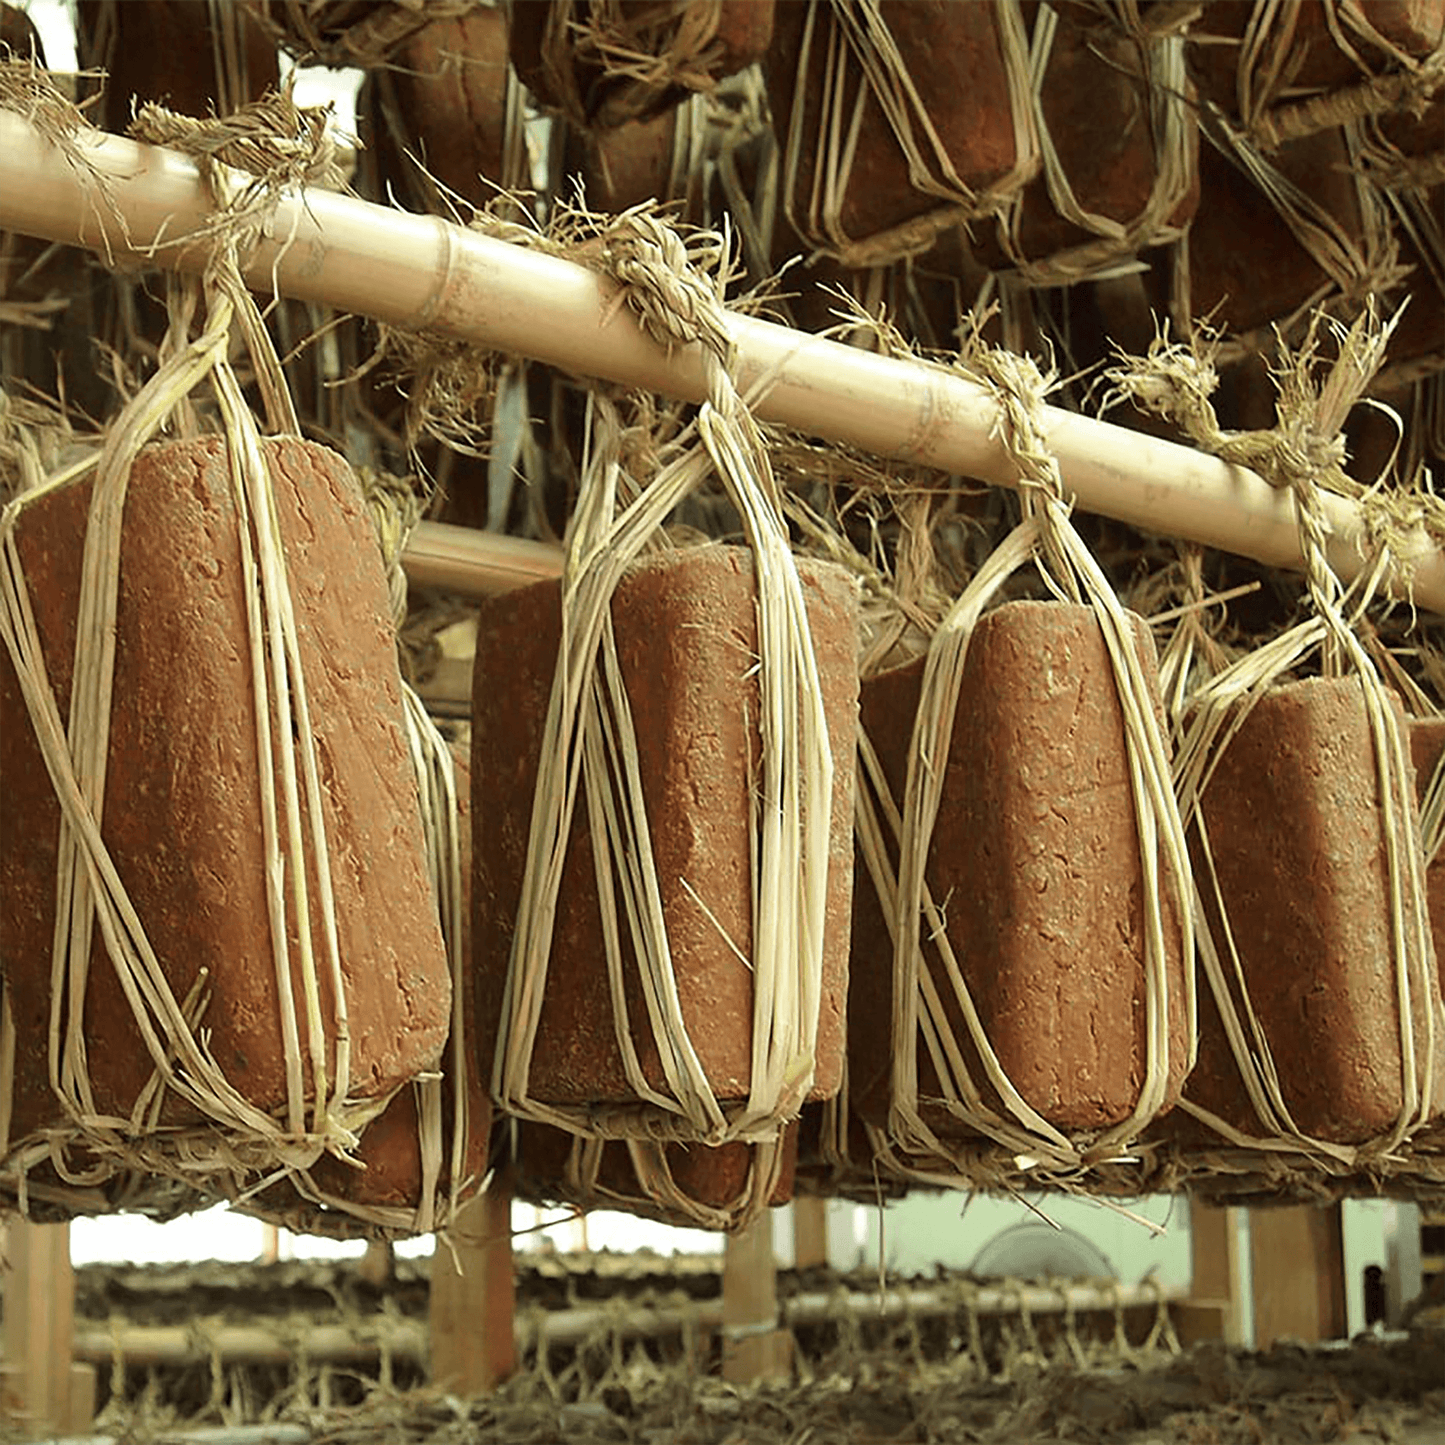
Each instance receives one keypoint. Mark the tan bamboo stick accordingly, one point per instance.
(357, 1344)
(420, 271)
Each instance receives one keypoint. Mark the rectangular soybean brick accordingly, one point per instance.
(1294, 824)
(448, 81)
(1096, 104)
(686, 631)
(712, 1175)
(954, 56)
(182, 815)
(1035, 864)
(389, 1153)
(1246, 267)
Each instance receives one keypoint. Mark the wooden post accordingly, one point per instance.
(473, 1345)
(810, 1232)
(753, 1347)
(1297, 1258)
(37, 1385)
(1215, 1307)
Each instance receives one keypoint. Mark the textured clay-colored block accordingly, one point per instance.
(686, 633)
(182, 816)
(952, 52)
(714, 1176)
(1427, 749)
(629, 164)
(390, 1175)
(1246, 268)
(741, 32)
(1096, 107)
(443, 100)
(1294, 827)
(165, 51)
(1035, 862)
(1314, 58)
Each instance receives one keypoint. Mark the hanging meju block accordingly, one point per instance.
(897, 120)
(264, 966)
(1327, 993)
(686, 636)
(1034, 866)
(602, 63)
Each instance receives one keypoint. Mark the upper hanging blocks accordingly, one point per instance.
(686, 632)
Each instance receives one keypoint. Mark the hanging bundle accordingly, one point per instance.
(1283, 69)
(1320, 1028)
(602, 63)
(896, 121)
(361, 33)
(221, 949)
(661, 949)
(1021, 1003)
(1118, 142)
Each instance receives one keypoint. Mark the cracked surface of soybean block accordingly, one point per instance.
(1295, 829)
(182, 816)
(1035, 863)
(686, 633)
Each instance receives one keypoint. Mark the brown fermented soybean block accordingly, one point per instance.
(182, 815)
(1035, 862)
(954, 57)
(686, 635)
(1295, 830)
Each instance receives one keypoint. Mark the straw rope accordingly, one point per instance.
(588, 744)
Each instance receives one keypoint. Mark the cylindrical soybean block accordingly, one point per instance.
(686, 630)
(1295, 829)
(1035, 864)
(183, 818)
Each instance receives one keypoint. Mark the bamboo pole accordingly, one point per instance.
(420, 271)
(360, 1344)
